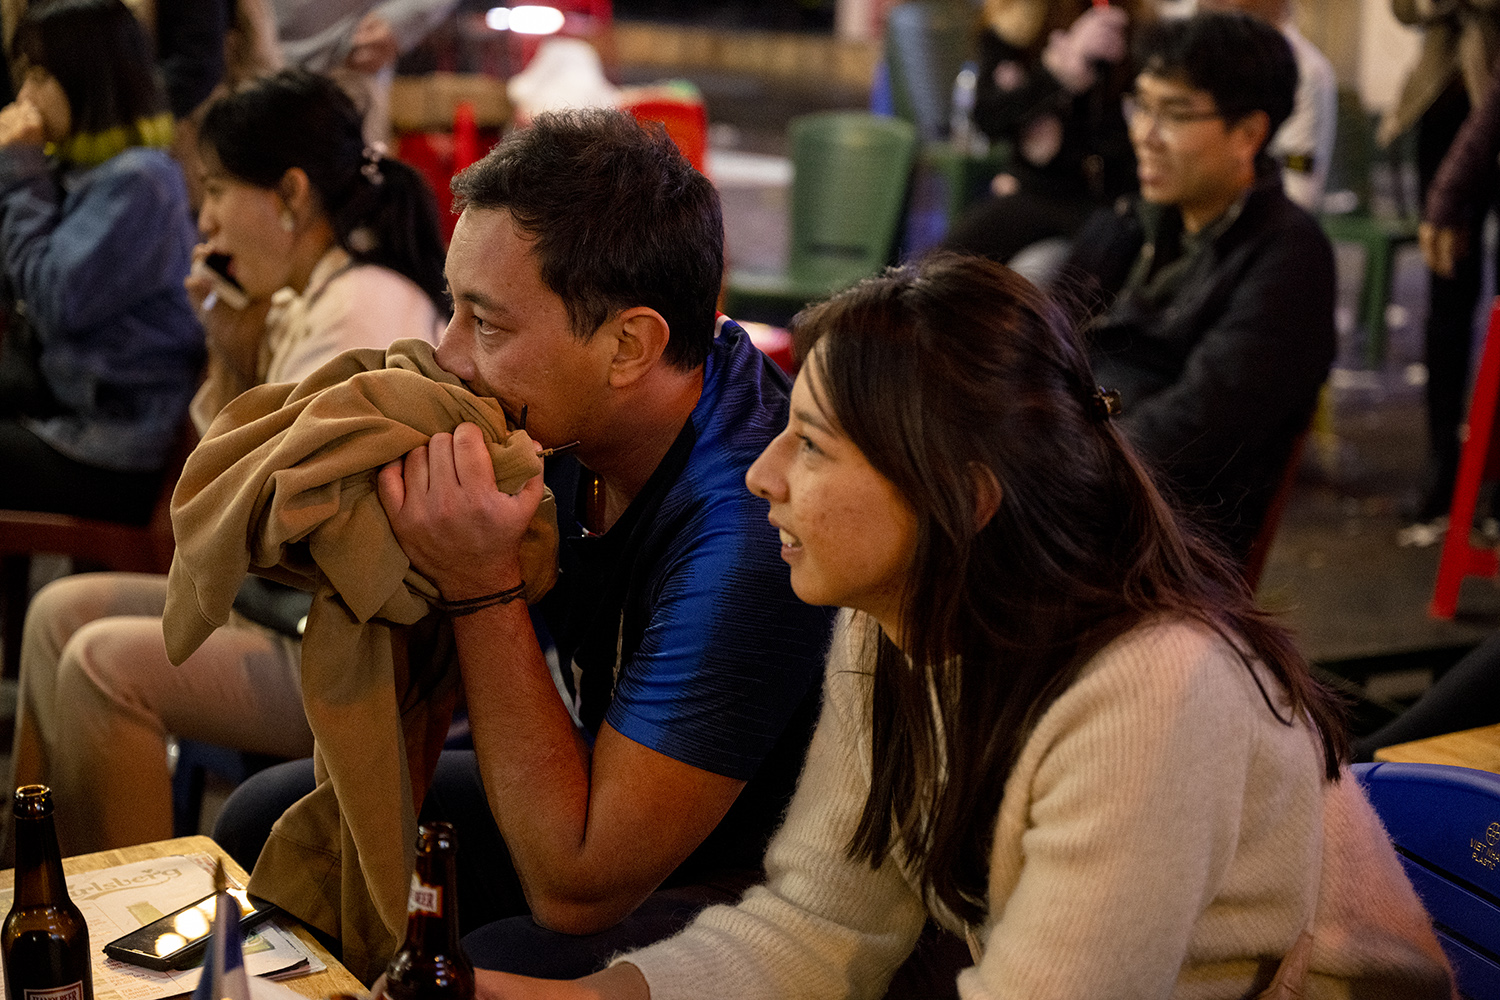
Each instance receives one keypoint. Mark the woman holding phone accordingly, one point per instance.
(332, 247)
(100, 351)
(1053, 721)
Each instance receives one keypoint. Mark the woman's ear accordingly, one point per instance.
(296, 192)
(986, 493)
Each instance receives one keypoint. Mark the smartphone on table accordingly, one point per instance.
(178, 940)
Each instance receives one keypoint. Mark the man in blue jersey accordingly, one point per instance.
(584, 271)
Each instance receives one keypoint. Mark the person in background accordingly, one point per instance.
(1463, 185)
(101, 350)
(1466, 696)
(1303, 145)
(1217, 292)
(1050, 77)
(1460, 43)
(636, 741)
(334, 249)
(1053, 721)
(357, 42)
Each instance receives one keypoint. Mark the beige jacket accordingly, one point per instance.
(283, 484)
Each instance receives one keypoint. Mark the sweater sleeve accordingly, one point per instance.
(1133, 785)
(1469, 164)
(823, 925)
(80, 261)
(412, 20)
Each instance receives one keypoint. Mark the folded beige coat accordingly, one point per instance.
(283, 485)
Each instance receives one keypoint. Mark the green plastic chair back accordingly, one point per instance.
(1354, 156)
(926, 43)
(850, 174)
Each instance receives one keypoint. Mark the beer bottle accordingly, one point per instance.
(44, 940)
(431, 962)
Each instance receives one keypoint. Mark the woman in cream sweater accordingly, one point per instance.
(1053, 721)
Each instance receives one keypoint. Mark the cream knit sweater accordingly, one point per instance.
(1161, 835)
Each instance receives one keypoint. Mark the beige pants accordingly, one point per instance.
(98, 698)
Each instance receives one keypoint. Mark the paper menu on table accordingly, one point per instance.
(118, 900)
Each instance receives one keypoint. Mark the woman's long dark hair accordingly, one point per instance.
(382, 211)
(100, 56)
(939, 371)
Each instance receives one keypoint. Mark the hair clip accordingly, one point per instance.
(372, 155)
(1105, 403)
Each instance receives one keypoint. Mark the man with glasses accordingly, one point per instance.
(1218, 292)
(1303, 145)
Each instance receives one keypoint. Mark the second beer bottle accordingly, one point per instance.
(431, 962)
(44, 939)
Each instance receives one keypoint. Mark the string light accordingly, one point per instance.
(525, 20)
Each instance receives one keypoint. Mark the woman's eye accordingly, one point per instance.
(805, 444)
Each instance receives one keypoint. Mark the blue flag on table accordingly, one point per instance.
(224, 966)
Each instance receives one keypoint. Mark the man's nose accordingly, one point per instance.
(452, 355)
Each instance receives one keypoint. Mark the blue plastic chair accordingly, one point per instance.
(1445, 824)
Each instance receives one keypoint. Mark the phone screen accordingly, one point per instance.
(178, 939)
(219, 264)
(225, 287)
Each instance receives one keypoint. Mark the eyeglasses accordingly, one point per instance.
(1168, 118)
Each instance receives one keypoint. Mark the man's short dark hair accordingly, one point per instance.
(1245, 64)
(619, 218)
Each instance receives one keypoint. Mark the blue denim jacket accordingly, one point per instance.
(95, 259)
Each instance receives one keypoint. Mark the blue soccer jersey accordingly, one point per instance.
(678, 626)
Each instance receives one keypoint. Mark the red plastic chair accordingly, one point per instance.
(1480, 460)
(686, 122)
(439, 155)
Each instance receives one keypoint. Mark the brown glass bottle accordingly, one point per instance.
(431, 962)
(44, 939)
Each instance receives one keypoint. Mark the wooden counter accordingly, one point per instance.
(1476, 748)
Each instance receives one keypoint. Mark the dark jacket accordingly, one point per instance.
(1465, 180)
(1094, 161)
(1218, 346)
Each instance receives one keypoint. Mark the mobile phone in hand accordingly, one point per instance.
(226, 288)
(178, 940)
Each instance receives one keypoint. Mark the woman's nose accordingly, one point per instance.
(764, 477)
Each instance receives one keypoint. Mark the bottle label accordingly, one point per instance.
(73, 991)
(423, 899)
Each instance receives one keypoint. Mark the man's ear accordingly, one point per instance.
(1254, 130)
(987, 493)
(641, 336)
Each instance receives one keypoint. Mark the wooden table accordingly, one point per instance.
(1477, 748)
(334, 979)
